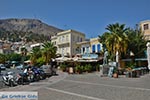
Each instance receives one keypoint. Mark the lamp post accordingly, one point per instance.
(132, 57)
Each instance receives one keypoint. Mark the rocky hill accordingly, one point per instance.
(28, 25)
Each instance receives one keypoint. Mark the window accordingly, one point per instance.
(73, 37)
(93, 48)
(145, 26)
(62, 51)
(83, 49)
(80, 39)
(87, 50)
(54, 42)
(63, 38)
(59, 39)
(66, 49)
(67, 38)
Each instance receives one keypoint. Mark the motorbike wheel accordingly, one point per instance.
(20, 81)
(11, 83)
(43, 76)
(4, 81)
(37, 77)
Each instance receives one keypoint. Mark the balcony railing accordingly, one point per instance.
(63, 42)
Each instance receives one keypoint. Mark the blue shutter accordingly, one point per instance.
(98, 48)
(93, 48)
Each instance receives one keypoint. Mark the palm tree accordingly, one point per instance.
(117, 40)
(35, 54)
(49, 51)
(136, 40)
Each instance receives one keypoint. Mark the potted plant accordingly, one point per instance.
(63, 67)
(79, 69)
(115, 72)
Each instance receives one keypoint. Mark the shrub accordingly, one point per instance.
(79, 69)
(63, 67)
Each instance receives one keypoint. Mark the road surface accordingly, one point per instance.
(89, 87)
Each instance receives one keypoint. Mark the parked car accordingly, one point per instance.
(47, 70)
(7, 64)
(19, 67)
(2, 67)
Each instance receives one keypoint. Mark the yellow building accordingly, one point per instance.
(145, 27)
(96, 46)
(90, 46)
(65, 42)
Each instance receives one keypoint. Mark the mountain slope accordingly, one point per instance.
(28, 25)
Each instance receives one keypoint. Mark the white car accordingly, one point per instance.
(19, 67)
(2, 67)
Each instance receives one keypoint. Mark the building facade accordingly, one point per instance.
(145, 28)
(96, 46)
(65, 42)
(90, 46)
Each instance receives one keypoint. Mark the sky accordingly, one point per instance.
(87, 16)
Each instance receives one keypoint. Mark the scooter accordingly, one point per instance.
(36, 73)
(42, 74)
(9, 79)
(25, 77)
(22, 78)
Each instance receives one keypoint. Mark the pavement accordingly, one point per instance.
(36, 85)
(88, 86)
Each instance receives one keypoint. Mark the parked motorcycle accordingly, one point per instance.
(10, 79)
(42, 74)
(22, 78)
(36, 74)
(30, 74)
(26, 76)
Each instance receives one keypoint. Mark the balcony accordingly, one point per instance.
(63, 43)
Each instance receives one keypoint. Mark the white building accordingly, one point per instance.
(65, 42)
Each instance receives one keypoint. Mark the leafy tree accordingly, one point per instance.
(14, 57)
(3, 58)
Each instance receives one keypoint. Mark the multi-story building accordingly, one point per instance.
(65, 42)
(145, 27)
(90, 47)
(96, 46)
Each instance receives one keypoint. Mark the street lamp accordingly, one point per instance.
(131, 54)
(132, 57)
